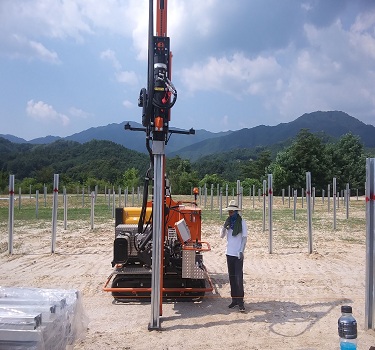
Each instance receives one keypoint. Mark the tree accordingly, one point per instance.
(130, 178)
(227, 164)
(211, 179)
(186, 182)
(256, 169)
(248, 184)
(307, 153)
(181, 176)
(26, 183)
(4, 180)
(45, 176)
(348, 161)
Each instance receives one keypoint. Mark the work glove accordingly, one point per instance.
(240, 255)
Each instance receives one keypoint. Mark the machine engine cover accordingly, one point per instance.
(120, 250)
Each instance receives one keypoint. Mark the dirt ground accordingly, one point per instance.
(292, 298)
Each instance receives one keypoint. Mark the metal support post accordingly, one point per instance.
(309, 219)
(54, 210)
(270, 204)
(11, 214)
(370, 244)
(157, 234)
(65, 203)
(264, 204)
(334, 203)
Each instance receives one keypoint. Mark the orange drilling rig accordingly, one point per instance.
(158, 251)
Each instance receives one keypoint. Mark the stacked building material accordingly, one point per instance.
(40, 319)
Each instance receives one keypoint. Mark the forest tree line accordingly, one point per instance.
(105, 164)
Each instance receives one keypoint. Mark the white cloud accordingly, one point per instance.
(122, 76)
(17, 46)
(127, 104)
(71, 19)
(25, 26)
(47, 18)
(43, 53)
(224, 122)
(333, 73)
(126, 77)
(76, 19)
(192, 15)
(111, 56)
(364, 22)
(361, 44)
(79, 113)
(306, 6)
(237, 75)
(43, 112)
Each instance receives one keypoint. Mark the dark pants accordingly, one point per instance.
(235, 271)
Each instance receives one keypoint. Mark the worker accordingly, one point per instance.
(235, 229)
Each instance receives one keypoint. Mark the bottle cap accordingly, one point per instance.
(346, 309)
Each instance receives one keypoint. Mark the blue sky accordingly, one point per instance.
(68, 65)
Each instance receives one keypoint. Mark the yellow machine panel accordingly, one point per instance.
(130, 215)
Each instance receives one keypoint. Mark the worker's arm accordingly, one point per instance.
(223, 232)
(242, 249)
(243, 241)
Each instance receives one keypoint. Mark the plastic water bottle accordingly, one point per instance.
(347, 327)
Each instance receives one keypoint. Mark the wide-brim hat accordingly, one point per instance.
(232, 206)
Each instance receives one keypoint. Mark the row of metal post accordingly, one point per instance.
(54, 209)
(239, 199)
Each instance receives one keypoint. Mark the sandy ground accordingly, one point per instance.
(292, 298)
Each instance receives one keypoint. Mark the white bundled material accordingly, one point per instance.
(40, 319)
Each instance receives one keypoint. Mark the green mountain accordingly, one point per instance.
(91, 153)
(333, 124)
(97, 159)
(130, 139)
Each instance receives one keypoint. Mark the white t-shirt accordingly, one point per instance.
(234, 242)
